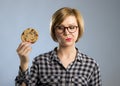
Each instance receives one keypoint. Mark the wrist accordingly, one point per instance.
(24, 66)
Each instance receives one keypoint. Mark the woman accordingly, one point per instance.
(65, 65)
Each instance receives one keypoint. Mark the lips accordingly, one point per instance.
(68, 39)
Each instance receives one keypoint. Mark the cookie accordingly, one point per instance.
(29, 35)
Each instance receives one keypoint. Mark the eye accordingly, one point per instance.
(72, 27)
(60, 27)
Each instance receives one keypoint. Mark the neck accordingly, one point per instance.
(66, 52)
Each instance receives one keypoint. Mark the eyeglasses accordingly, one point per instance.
(71, 29)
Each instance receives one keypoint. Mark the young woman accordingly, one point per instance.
(65, 65)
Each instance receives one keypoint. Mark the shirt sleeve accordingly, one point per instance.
(21, 77)
(96, 77)
(30, 78)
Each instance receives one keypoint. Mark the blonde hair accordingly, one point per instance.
(59, 16)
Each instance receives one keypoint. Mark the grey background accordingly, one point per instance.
(100, 41)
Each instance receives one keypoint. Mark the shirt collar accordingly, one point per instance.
(79, 55)
(54, 54)
(55, 57)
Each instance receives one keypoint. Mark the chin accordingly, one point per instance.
(67, 44)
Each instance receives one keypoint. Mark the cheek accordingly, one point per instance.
(76, 35)
(58, 36)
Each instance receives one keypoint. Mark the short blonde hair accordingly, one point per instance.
(59, 16)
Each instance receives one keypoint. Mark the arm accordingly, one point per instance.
(22, 78)
(23, 51)
(96, 77)
(23, 84)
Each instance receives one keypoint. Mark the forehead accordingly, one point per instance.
(69, 20)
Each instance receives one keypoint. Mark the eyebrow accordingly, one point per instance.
(73, 24)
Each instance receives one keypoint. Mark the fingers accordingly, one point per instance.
(27, 50)
(24, 49)
(23, 45)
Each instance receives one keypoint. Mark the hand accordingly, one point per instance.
(23, 51)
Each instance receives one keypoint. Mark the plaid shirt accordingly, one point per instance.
(47, 70)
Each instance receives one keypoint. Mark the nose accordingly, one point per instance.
(66, 32)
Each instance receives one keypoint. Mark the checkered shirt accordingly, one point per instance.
(47, 70)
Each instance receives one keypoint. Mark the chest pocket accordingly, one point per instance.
(79, 80)
(50, 80)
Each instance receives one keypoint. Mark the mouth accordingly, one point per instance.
(68, 39)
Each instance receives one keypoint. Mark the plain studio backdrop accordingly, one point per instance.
(100, 41)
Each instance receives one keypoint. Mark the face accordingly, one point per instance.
(67, 32)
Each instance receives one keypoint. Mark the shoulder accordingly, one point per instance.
(87, 60)
(43, 57)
